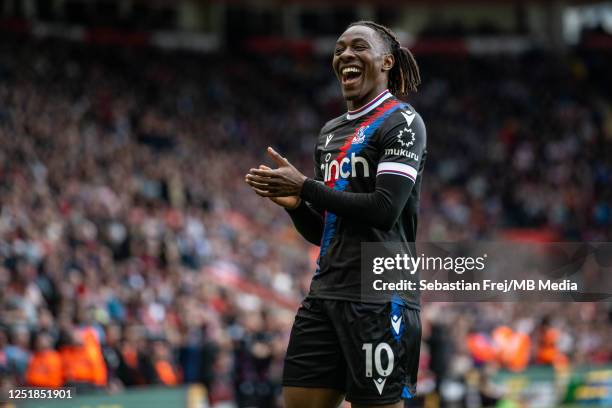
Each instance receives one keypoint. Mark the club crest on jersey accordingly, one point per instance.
(360, 136)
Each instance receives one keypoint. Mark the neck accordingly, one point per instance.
(355, 104)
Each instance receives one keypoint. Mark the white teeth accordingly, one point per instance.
(350, 69)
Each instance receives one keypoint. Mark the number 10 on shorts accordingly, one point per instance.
(378, 365)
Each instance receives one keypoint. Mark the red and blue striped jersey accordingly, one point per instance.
(384, 137)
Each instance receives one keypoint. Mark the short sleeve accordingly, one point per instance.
(403, 142)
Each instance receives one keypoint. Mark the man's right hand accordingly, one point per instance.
(290, 203)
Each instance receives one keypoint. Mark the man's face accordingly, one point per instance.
(43, 342)
(361, 62)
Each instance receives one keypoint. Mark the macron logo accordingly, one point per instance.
(409, 116)
(329, 138)
(396, 322)
(380, 385)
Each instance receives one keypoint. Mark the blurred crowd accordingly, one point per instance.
(132, 252)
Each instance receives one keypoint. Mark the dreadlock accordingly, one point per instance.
(404, 76)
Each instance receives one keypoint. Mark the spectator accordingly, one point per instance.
(79, 362)
(45, 367)
(18, 351)
(165, 369)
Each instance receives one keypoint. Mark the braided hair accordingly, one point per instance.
(404, 76)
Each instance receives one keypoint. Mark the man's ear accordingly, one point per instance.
(388, 62)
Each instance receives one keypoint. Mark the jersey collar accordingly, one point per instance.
(383, 96)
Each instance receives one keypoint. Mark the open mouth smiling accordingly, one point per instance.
(350, 75)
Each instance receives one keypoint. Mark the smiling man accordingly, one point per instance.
(368, 169)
